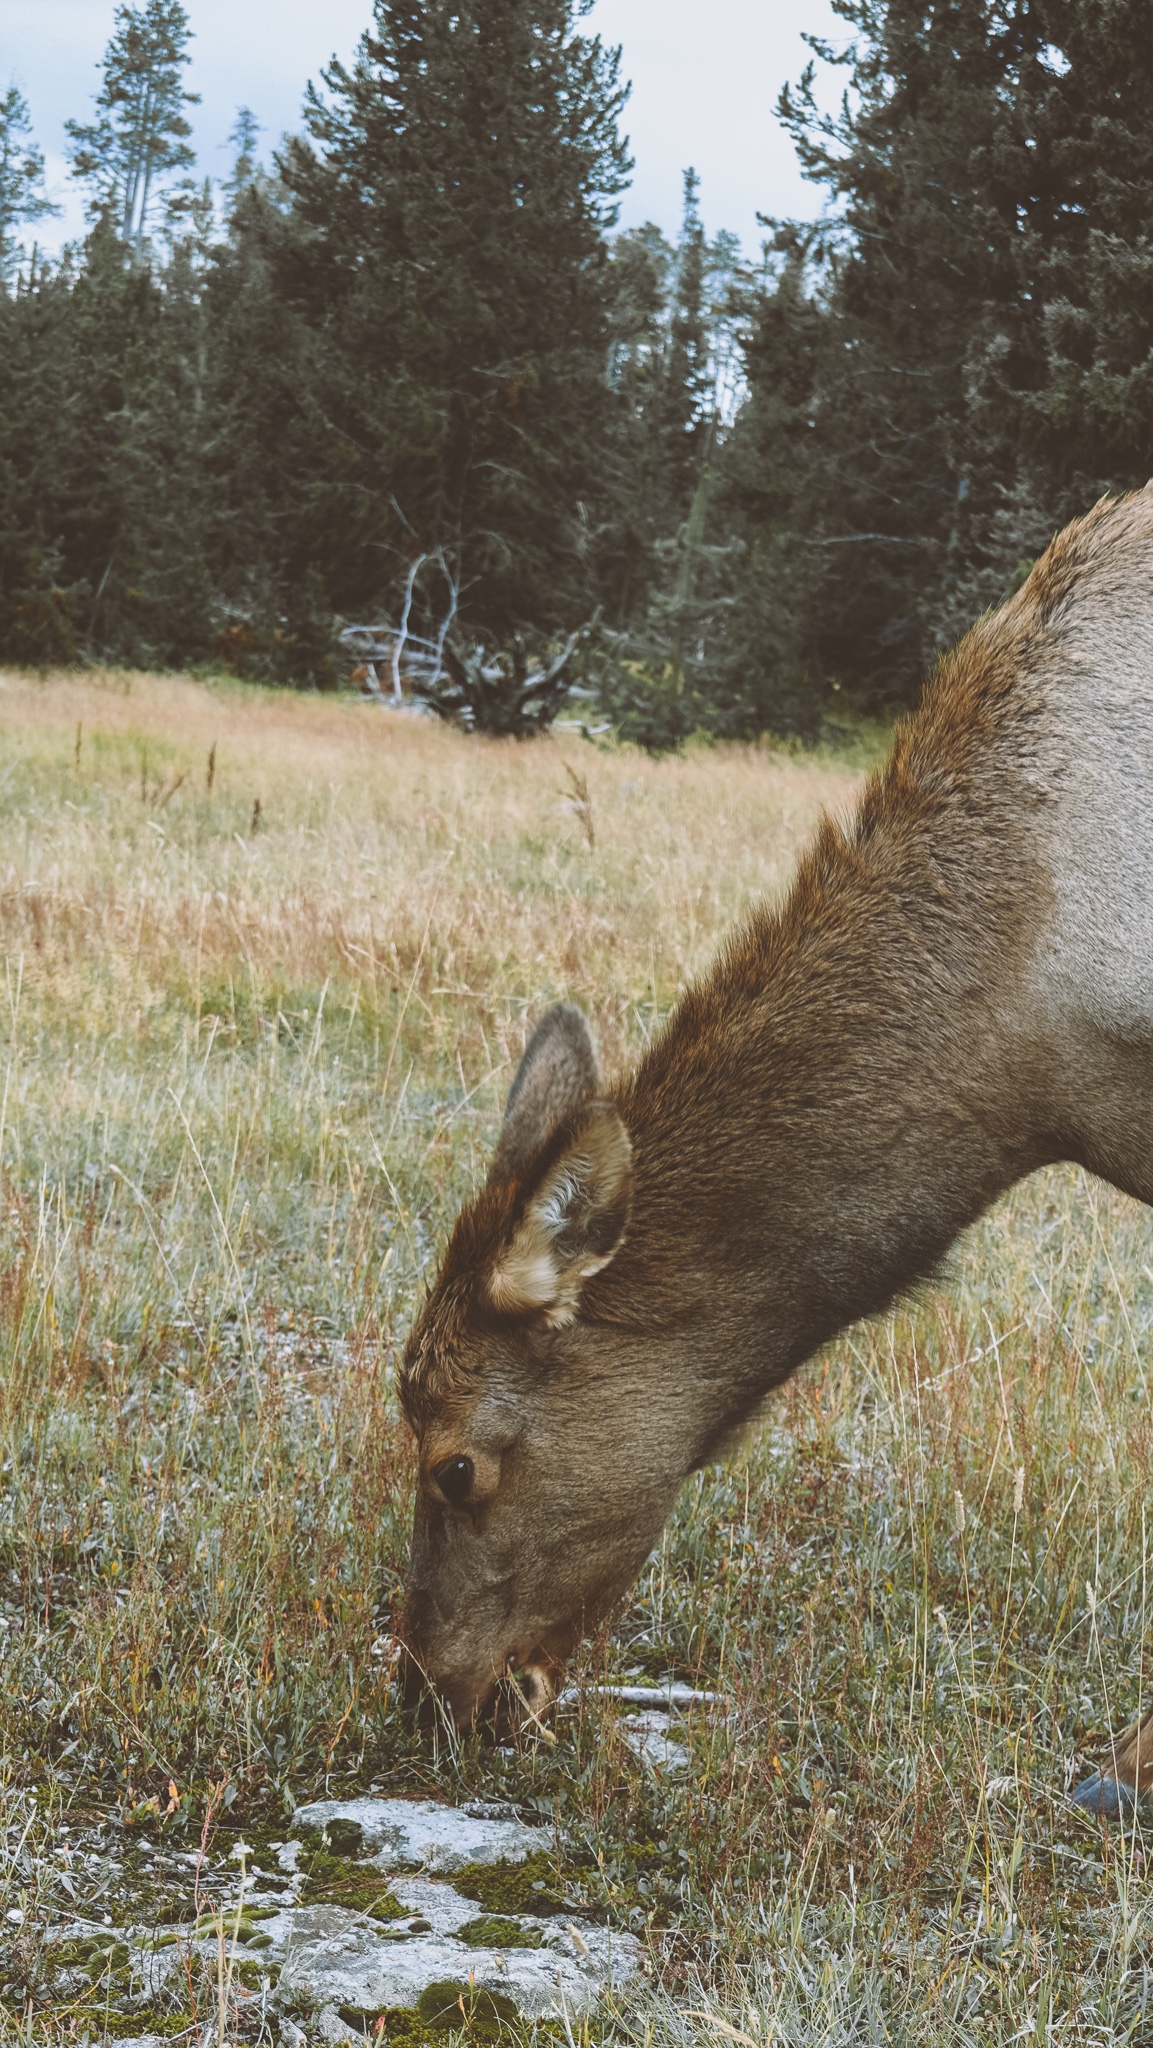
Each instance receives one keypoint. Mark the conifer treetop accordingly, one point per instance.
(140, 135)
(22, 195)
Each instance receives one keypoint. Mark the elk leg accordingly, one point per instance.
(1114, 1789)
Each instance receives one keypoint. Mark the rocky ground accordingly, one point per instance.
(374, 1917)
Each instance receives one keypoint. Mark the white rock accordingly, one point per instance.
(603, 1952)
(338, 1959)
(426, 1898)
(399, 1832)
(323, 1958)
(329, 2028)
(650, 1737)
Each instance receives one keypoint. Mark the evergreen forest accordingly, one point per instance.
(404, 370)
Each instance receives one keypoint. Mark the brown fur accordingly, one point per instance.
(860, 1075)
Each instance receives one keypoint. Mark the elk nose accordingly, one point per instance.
(420, 1701)
(417, 1692)
(428, 1702)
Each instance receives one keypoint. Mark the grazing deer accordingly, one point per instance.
(957, 990)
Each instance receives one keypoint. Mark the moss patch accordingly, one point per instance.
(340, 1837)
(174, 1914)
(444, 2008)
(333, 1881)
(89, 1949)
(528, 1887)
(492, 1930)
(124, 2026)
(253, 1974)
(404, 2028)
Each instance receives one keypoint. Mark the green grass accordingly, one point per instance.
(245, 1079)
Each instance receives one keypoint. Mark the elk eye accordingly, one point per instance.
(454, 1479)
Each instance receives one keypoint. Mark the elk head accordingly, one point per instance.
(538, 1497)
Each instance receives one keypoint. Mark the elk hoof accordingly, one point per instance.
(1106, 1796)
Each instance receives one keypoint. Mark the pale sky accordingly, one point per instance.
(705, 81)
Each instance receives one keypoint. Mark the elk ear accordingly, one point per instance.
(559, 1071)
(573, 1221)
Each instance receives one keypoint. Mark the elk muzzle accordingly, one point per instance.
(519, 1695)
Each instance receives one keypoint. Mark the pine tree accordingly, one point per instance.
(245, 168)
(688, 382)
(22, 195)
(982, 368)
(672, 369)
(440, 261)
(139, 139)
(671, 363)
(926, 160)
(640, 279)
(107, 423)
(1062, 372)
(760, 676)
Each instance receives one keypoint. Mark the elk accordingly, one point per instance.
(958, 989)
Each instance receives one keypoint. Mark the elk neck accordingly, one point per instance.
(856, 1080)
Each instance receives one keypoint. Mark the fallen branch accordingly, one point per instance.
(668, 1696)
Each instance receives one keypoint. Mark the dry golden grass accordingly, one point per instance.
(387, 848)
(248, 1070)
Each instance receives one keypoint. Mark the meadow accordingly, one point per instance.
(268, 964)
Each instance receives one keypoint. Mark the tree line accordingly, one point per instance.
(409, 369)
